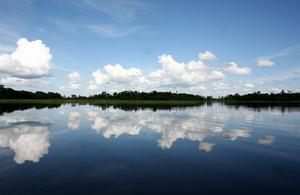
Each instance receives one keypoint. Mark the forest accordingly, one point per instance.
(258, 96)
(9, 93)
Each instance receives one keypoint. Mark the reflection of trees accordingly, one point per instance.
(7, 108)
(29, 140)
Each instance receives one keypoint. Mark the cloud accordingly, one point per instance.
(31, 59)
(121, 14)
(232, 67)
(122, 11)
(8, 37)
(208, 56)
(92, 86)
(265, 63)
(29, 140)
(31, 84)
(172, 74)
(220, 86)
(112, 31)
(249, 85)
(292, 50)
(116, 73)
(74, 79)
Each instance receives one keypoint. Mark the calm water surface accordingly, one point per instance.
(210, 149)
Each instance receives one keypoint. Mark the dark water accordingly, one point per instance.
(210, 149)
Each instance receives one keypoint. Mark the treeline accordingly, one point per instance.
(258, 96)
(154, 95)
(9, 93)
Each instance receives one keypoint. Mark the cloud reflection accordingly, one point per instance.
(115, 124)
(206, 146)
(74, 120)
(28, 140)
(266, 139)
(234, 134)
(187, 124)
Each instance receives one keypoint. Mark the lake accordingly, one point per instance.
(205, 149)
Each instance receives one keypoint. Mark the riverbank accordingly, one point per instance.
(101, 102)
(135, 102)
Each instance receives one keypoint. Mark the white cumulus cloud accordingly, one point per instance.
(232, 67)
(74, 79)
(172, 74)
(21, 83)
(31, 59)
(265, 63)
(207, 55)
(249, 85)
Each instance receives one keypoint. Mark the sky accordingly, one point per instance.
(206, 47)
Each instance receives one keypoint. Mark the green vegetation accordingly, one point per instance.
(11, 100)
(100, 102)
(8, 95)
(264, 97)
(154, 95)
(137, 97)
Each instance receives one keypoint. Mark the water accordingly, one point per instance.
(209, 149)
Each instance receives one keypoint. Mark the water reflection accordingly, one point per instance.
(189, 125)
(113, 151)
(206, 146)
(74, 120)
(266, 139)
(28, 140)
(27, 135)
(233, 134)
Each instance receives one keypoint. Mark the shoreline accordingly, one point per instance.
(136, 102)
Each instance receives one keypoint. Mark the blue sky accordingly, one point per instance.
(203, 47)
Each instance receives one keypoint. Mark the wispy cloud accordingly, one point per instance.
(64, 25)
(104, 30)
(293, 50)
(112, 31)
(8, 37)
(267, 61)
(121, 10)
(284, 76)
